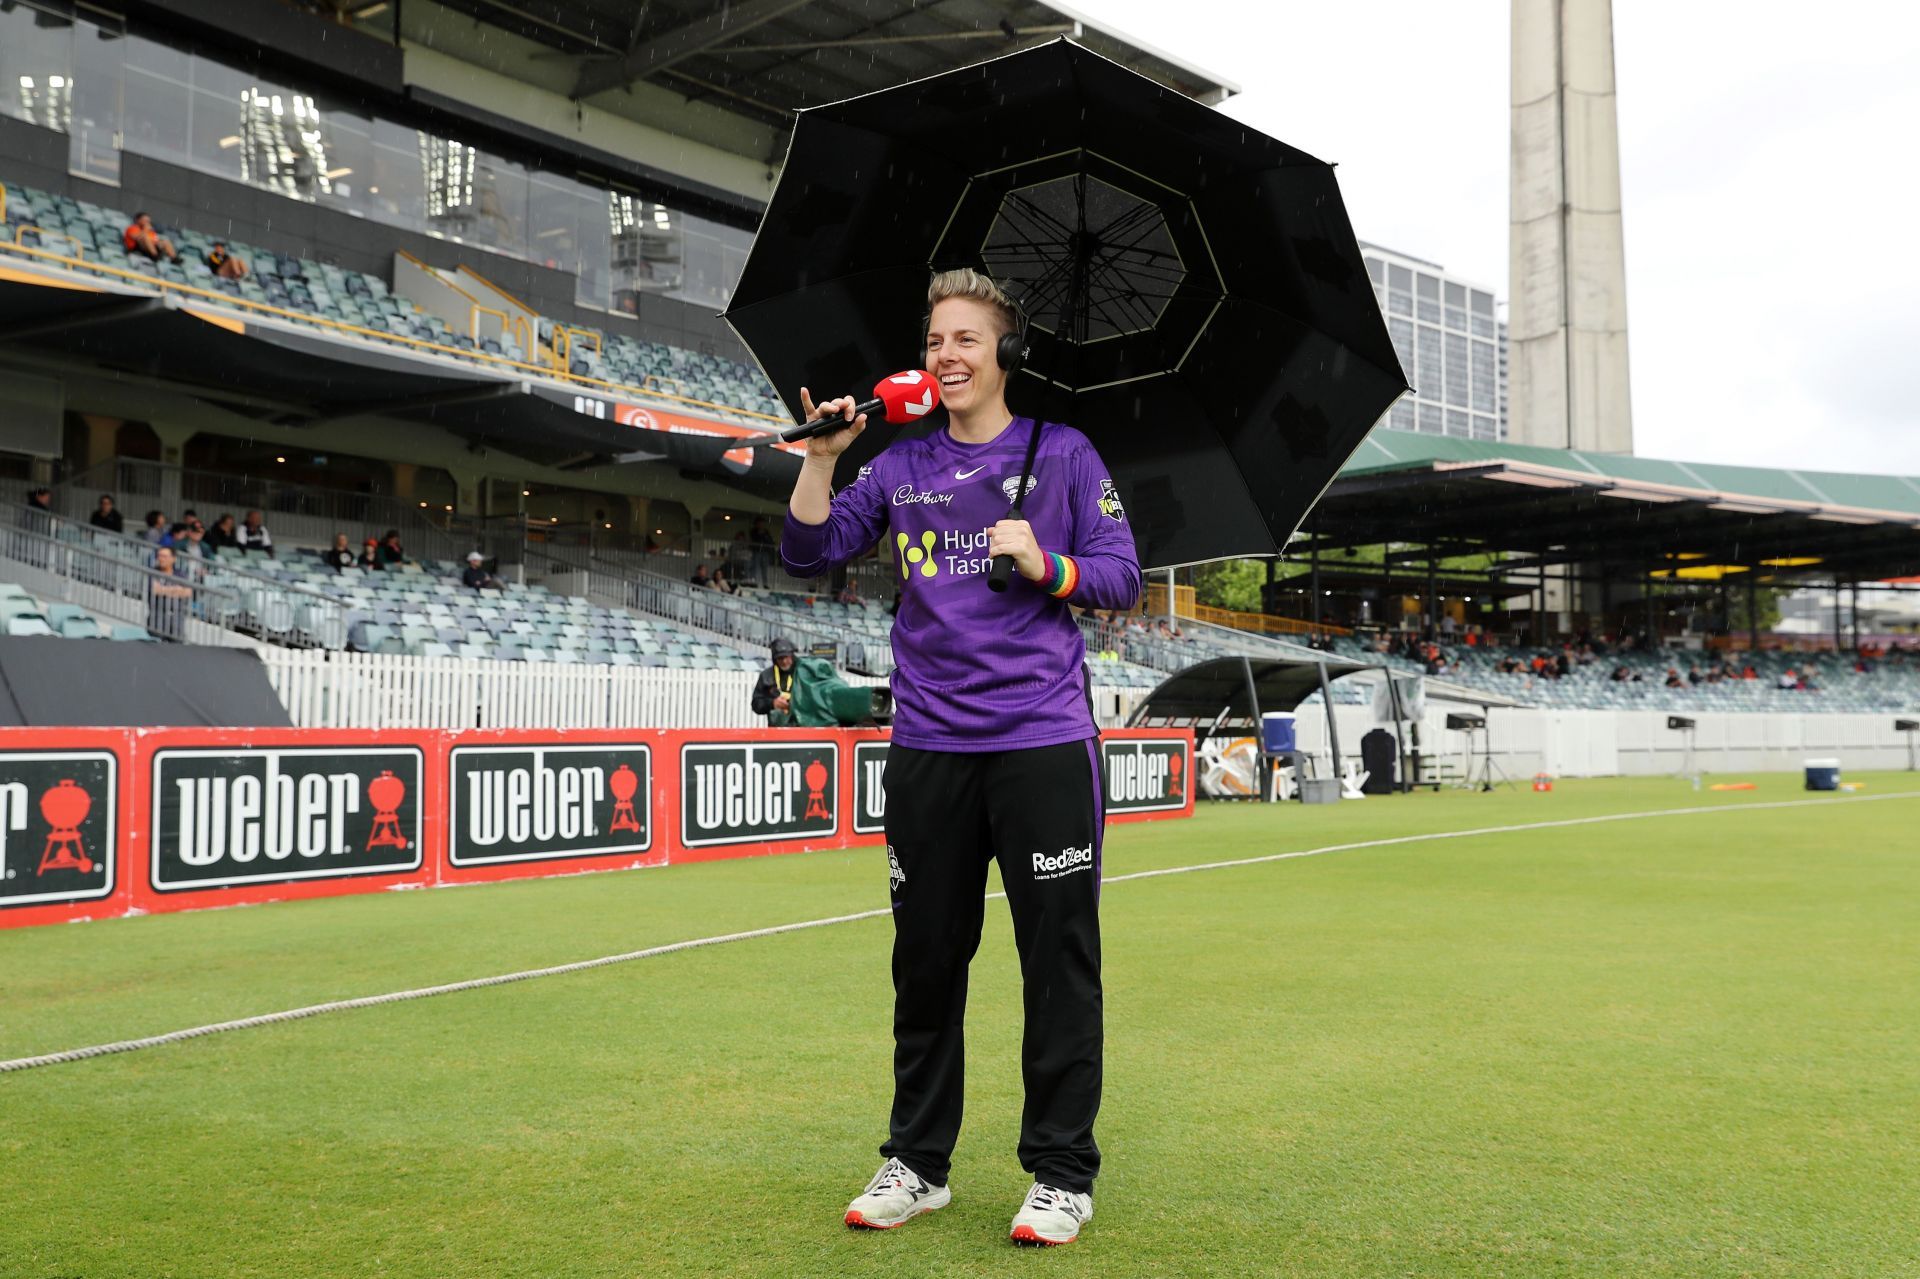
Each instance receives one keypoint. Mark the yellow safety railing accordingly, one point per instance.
(1185, 605)
(3, 203)
(79, 249)
(397, 339)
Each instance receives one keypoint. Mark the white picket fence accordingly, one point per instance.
(368, 690)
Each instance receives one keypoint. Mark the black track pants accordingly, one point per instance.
(1039, 812)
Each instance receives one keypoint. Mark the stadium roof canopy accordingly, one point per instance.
(1630, 516)
(770, 58)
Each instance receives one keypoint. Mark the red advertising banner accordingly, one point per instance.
(96, 823)
(648, 417)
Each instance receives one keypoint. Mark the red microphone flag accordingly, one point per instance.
(908, 396)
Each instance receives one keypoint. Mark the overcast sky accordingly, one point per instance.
(1770, 189)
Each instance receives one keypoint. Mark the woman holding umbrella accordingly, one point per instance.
(994, 752)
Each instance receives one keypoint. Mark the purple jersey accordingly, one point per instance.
(975, 670)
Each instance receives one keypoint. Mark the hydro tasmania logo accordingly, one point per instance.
(758, 792)
(244, 815)
(1144, 776)
(59, 832)
(529, 803)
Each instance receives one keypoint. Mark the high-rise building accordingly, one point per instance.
(1452, 345)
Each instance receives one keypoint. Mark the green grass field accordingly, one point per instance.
(1685, 1045)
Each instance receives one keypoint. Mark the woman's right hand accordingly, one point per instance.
(831, 444)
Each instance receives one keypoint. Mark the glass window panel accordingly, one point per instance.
(1456, 318)
(499, 218)
(649, 249)
(352, 158)
(36, 67)
(157, 103)
(1402, 333)
(398, 192)
(1456, 294)
(1485, 385)
(1482, 326)
(1402, 418)
(1457, 424)
(1429, 311)
(1429, 380)
(1457, 382)
(1432, 418)
(1429, 287)
(213, 126)
(1398, 277)
(1400, 302)
(1376, 270)
(1482, 302)
(553, 220)
(94, 128)
(593, 286)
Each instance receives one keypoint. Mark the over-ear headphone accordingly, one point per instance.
(1009, 353)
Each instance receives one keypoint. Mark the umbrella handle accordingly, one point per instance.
(1001, 573)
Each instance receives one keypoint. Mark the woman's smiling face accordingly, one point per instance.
(962, 336)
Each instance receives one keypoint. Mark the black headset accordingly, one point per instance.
(1009, 353)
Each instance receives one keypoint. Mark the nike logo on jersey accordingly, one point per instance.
(967, 475)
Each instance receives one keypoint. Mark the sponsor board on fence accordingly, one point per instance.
(223, 815)
(869, 788)
(1145, 775)
(59, 826)
(758, 792)
(524, 803)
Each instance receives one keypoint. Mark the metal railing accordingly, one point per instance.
(168, 606)
(749, 622)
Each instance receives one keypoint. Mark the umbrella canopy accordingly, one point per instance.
(1197, 302)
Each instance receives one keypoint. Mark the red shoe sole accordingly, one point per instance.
(1032, 1238)
(859, 1222)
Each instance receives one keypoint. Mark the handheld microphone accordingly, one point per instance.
(906, 396)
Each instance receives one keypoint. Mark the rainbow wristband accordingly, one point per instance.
(1062, 576)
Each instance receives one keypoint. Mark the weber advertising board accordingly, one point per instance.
(1144, 776)
(758, 792)
(242, 815)
(869, 788)
(532, 803)
(59, 828)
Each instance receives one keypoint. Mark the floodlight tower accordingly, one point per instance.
(1567, 276)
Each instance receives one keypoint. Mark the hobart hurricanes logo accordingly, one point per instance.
(869, 788)
(59, 833)
(224, 816)
(528, 803)
(757, 792)
(1143, 776)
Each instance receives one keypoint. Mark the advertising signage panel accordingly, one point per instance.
(529, 803)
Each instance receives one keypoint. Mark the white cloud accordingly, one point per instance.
(1769, 184)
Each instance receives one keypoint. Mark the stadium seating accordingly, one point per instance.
(59, 224)
(21, 613)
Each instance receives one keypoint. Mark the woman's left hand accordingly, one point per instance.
(1015, 538)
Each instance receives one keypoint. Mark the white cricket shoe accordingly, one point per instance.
(896, 1195)
(1051, 1216)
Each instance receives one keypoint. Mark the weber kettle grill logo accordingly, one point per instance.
(530, 803)
(226, 816)
(754, 792)
(58, 826)
(1144, 776)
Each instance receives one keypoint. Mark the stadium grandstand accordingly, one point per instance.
(449, 272)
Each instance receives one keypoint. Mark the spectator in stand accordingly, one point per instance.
(772, 692)
(1789, 680)
(369, 561)
(721, 582)
(700, 575)
(141, 238)
(107, 517)
(1693, 673)
(254, 536)
(167, 598)
(476, 575)
(190, 552)
(1621, 675)
(224, 536)
(849, 594)
(390, 549)
(224, 264)
(340, 555)
(158, 529)
(1673, 678)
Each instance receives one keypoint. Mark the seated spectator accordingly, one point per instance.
(700, 576)
(338, 556)
(476, 575)
(1673, 678)
(223, 536)
(390, 550)
(1693, 674)
(140, 237)
(38, 515)
(190, 549)
(369, 560)
(254, 536)
(1789, 679)
(106, 517)
(721, 582)
(158, 530)
(224, 264)
(1621, 675)
(849, 594)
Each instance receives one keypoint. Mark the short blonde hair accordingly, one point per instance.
(965, 282)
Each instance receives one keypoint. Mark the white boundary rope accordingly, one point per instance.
(503, 979)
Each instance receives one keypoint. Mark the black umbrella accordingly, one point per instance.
(1198, 305)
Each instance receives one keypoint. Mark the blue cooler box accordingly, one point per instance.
(1823, 774)
(1276, 732)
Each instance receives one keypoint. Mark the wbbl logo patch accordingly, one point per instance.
(752, 792)
(1144, 776)
(238, 815)
(59, 828)
(1110, 503)
(529, 803)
